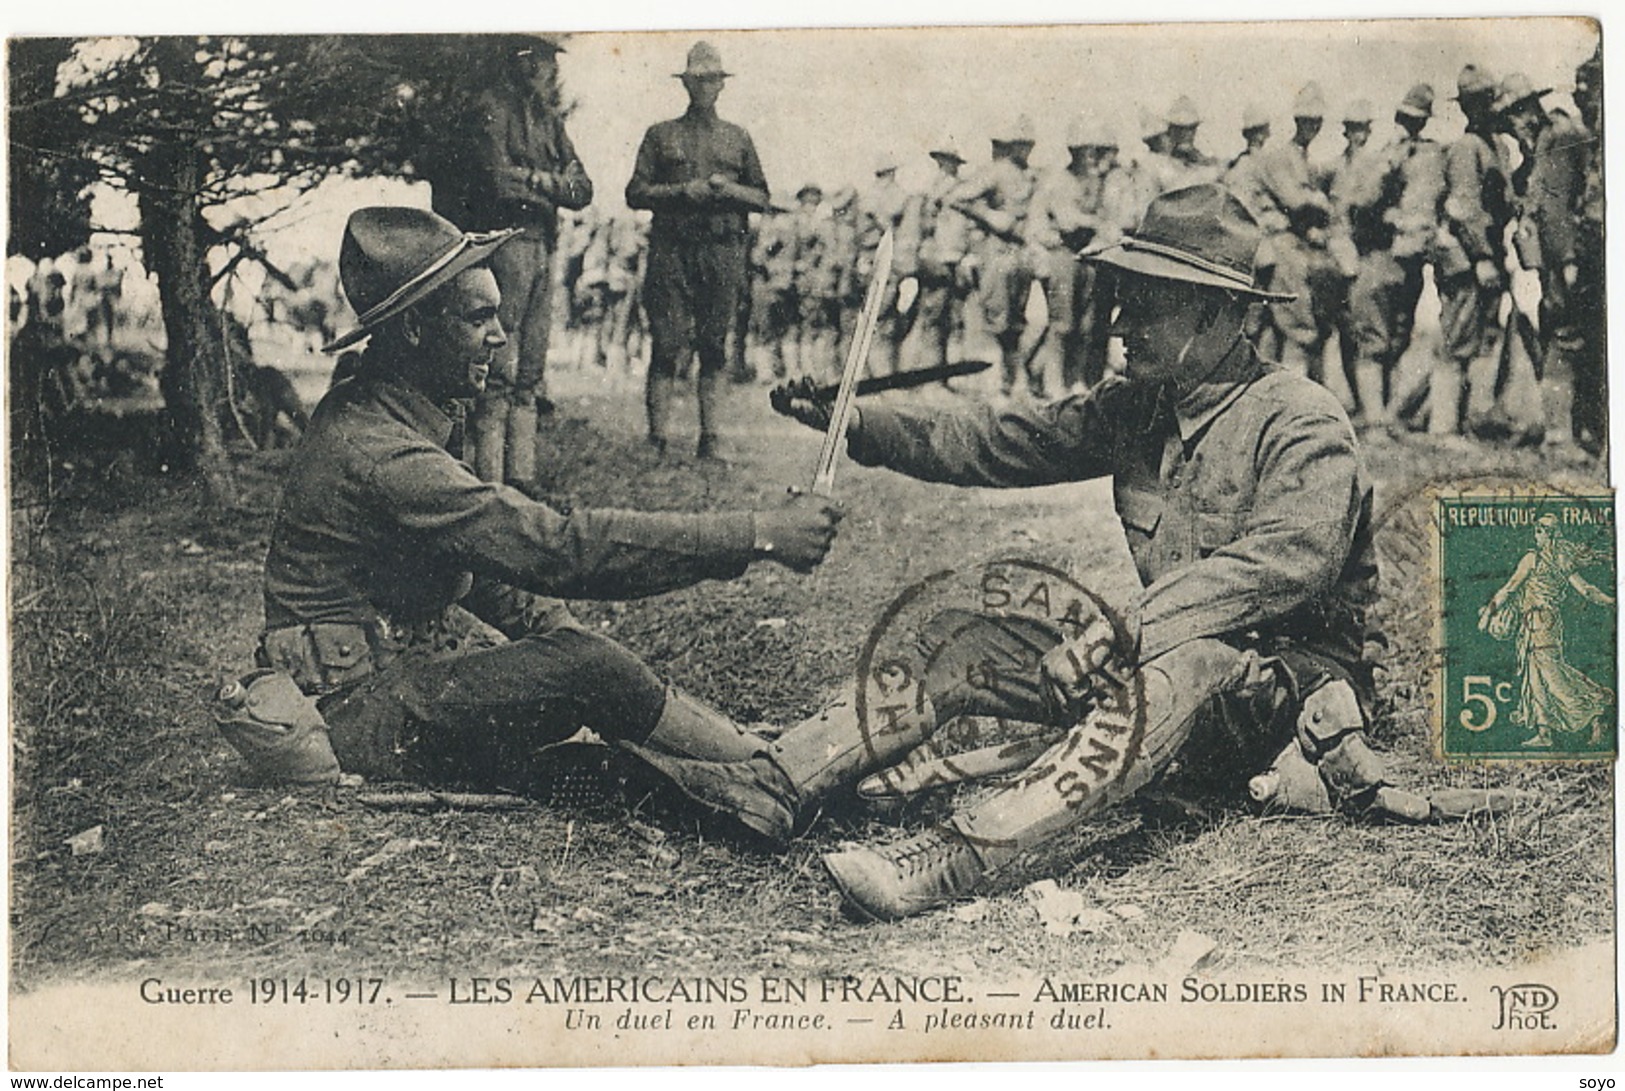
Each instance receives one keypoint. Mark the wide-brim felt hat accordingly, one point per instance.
(1515, 90)
(394, 257)
(703, 62)
(1418, 102)
(1201, 234)
(1474, 82)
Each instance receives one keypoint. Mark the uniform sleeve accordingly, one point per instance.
(971, 198)
(1289, 549)
(1557, 199)
(647, 189)
(1045, 215)
(514, 612)
(1464, 199)
(1416, 217)
(572, 188)
(751, 174)
(498, 532)
(509, 181)
(1068, 440)
(1287, 183)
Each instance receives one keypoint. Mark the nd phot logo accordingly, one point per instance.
(1525, 1007)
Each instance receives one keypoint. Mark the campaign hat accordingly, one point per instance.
(1201, 234)
(1418, 101)
(703, 62)
(394, 257)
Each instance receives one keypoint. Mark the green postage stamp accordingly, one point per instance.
(1527, 625)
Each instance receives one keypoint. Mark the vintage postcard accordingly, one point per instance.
(785, 547)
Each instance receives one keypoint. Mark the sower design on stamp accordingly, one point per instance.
(1526, 628)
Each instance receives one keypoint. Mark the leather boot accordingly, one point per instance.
(912, 876)
(1479, 390)
(1557, 399)
(710, 398)
(521, 469)
(1444, 399)
(776, 791)
(690, 728)
(1368, 383)
(489, 428)
(1094, 766)
(657, 397)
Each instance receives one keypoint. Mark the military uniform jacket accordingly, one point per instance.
(998, 197)
(938, 234)
(686, 149)
(1555, 194)
(1394, 202)
(1243, 501)
(1066, 210)
(513, 135)
(1292, 200)
(881, 210)
(381, 528)
(1477, 203)
(1244, 180)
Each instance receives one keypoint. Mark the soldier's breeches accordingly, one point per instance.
(1007, 278)
(1122, 744)
(1382, 306)
(988, 665)
(1309, 274)
(478, 716)
(691, 295)
(1468, 318)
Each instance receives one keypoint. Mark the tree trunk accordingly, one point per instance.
(193, 380)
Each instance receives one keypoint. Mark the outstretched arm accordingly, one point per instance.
(1590, 590)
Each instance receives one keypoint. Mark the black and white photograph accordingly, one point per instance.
(576, 548)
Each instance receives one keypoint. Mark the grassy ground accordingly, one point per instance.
(129, 600)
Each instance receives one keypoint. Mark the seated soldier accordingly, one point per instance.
(1249, 519)
(387, 549)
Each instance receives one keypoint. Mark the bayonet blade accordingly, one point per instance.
(856, 355)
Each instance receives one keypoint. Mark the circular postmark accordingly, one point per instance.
(1008, 667)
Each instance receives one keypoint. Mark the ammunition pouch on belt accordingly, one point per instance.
(276, 728)
(324, 657)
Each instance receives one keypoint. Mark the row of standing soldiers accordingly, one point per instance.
(1350, 239)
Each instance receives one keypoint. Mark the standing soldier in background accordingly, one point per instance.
(773, 309)
(1392, 213)
(1297, 216)
(1357, 161)
(1191, 166)
(1471, 265)
(1241, 177)
(998, 198)
(841, 263)
(940, 238)
(1151, 171)
(814, 283)
(1068, 213)
(701, 178)
(523, 169)
(1244, 178)
(880, 209)
(1552, 195)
